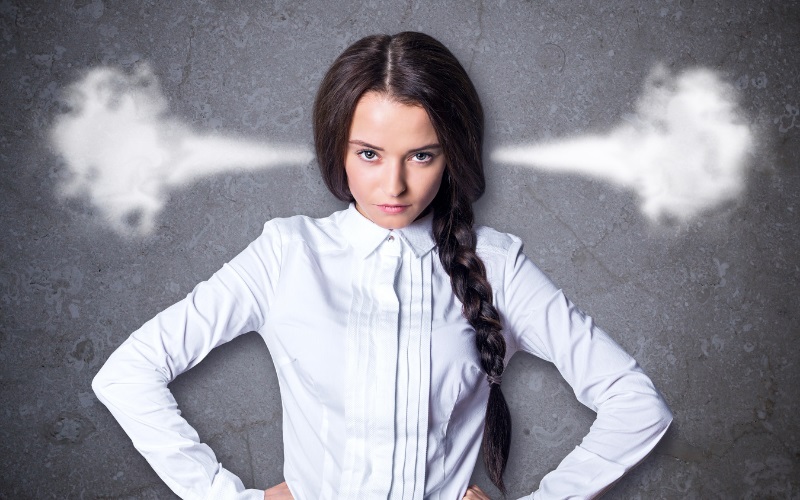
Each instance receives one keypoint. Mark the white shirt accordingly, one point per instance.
(382, 391)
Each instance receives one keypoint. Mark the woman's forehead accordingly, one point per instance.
(385, 122)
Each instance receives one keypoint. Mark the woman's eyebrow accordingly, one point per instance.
(429, 146)
(365, 144)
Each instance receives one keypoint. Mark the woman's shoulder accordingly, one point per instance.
(492, 241)
(317, 232)
(498, 251)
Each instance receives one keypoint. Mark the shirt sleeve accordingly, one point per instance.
(133, 382)
(631, 415)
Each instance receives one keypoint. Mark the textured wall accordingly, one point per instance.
(708, 304)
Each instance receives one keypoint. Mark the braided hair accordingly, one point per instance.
(416, 69)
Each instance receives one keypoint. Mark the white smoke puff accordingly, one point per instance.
(684, 152)
(125, 152)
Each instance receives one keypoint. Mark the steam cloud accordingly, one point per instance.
(125, 152)
(684, 151)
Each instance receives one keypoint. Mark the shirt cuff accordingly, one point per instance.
(227, 486)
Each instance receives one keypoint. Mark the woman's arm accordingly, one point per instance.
(133, 382)
(631, 415)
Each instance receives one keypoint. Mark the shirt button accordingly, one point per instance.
(391, 238)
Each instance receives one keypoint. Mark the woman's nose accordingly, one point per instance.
(394, 182)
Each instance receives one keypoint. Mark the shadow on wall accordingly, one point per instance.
(125, 152)
(683, 152)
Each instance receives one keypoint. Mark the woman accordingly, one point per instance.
(390, 323)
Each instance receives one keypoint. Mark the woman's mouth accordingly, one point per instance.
(393, 209)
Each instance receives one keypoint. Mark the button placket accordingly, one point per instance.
(372, 351)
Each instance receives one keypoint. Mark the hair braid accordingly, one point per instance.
(456, 240)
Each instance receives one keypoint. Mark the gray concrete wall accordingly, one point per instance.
(707, 302)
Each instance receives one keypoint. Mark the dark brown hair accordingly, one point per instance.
(416, 69)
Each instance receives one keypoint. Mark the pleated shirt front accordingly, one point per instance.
(387, 352)
(350, 335)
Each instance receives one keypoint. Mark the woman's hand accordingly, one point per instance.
(280, 492)
(475, 493)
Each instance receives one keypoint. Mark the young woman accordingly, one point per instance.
(390, 322)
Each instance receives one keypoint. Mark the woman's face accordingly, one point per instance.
(394, 161)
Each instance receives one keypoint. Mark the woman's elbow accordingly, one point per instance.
(654, 417)
(664, 414)
(101, 382)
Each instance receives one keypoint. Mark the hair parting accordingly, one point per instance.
(416, 69)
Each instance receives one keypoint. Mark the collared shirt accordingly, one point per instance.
(381, 384)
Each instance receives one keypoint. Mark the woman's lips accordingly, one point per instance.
(393, 209)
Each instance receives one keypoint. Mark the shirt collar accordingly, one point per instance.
(365, 236)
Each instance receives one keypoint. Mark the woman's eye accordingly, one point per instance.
(422, 157)
(367, 154)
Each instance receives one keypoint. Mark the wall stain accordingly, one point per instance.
(68, 428)
(84, 351)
